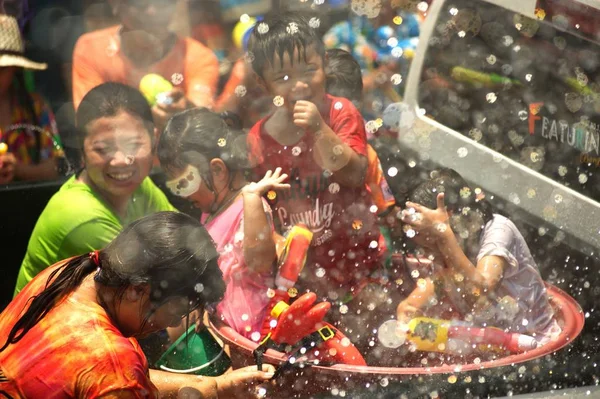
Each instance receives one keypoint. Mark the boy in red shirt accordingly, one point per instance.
(320, 142)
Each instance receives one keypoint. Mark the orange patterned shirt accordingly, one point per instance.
(75, 351)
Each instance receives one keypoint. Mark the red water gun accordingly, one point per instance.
(301, 325)
(293, 259)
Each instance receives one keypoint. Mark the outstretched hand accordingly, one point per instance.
(430, 224)
(271, 181)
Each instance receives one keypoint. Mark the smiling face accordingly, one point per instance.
(302, 79)
(118, 154)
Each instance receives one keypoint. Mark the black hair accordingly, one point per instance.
(169, 251)
(287, 32)
(198, 135)
(343, 76)
(461, 200)
(459, 197)
(107, 100)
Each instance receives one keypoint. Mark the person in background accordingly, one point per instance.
(116, 134)
(28, 134)
(382, 44)
(143, 44)
(72, 332)
(207, 161)
(320, 142)
(482, 267)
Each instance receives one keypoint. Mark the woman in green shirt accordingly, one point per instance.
(116, 134)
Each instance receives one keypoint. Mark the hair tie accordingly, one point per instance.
(95, 258)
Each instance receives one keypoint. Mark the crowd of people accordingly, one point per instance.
(111, 261)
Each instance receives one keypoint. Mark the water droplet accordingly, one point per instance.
(414, 274)
(357, 224)
(296, 151)
(523, 115)
(240, 91)
(582, 178)
(491, 98)
(176, 79)
(393, 171)
(491, 59)
(476, 360)
(462, 152)
(222, 142)
(338, 105)
(452, 379)
(199, 287)
(270, 293)
(558, 198)
(531, 193)
(396, 78)
(245, 317)
(314, 22)
(373, 209)
(475, 134)
(271, 195)
(255, 336)
(278, 101)
(320, 272)
(293, 292)
(292, 28)
(410, 233)
(384, 382)
(262, 28)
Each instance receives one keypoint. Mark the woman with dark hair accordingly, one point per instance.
(116, 135)
(482, 266)
(72, 331)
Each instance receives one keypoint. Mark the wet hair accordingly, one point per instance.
(343, 76)
(458, 195)
(108, 100)
(287, 32)
(198, 135)
(468, 213)
(169, 251)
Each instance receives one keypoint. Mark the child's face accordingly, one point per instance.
(300, 80)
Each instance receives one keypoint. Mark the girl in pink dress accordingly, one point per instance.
(206, 163)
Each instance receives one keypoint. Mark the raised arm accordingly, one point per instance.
(259, 242)
(348, 166)
(435, 231)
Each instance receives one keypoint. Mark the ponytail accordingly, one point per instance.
(68, 277)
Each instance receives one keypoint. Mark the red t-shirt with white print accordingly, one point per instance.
(346, 241)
